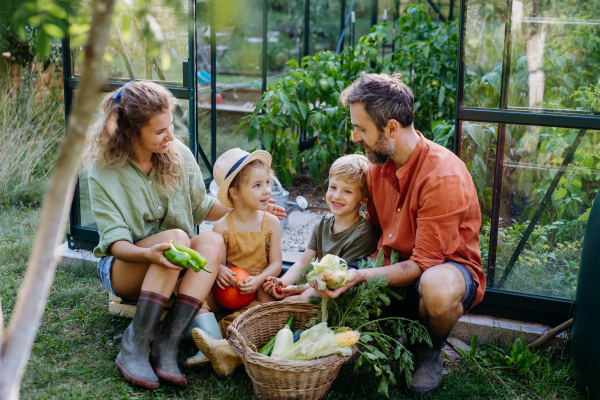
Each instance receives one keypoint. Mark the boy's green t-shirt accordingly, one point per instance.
(357, 242)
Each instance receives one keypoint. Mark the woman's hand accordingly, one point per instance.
(225, 277)
(272, 284)
(250, 285)
(277, 211)
(355, 279)
(156, 255)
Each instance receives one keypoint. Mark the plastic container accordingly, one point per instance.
(586, 316)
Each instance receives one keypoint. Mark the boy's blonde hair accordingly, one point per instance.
(352, 168)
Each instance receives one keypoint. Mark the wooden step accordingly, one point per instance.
(115, 306)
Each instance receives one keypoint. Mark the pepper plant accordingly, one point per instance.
(306, 100)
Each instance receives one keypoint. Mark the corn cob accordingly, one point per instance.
(347, 339)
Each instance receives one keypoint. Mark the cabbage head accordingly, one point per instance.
(331, 273)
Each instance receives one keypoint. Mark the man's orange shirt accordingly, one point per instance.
(427, 210)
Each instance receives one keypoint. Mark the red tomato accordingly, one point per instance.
(231, 297)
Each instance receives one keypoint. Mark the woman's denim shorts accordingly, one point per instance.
(103, 271)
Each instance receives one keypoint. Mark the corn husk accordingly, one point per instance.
(283, 340)
(316, 342)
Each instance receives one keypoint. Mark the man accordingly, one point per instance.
(423, 202)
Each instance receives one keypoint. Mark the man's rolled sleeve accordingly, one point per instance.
(438, 221)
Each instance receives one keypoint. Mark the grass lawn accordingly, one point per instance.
(78, 340)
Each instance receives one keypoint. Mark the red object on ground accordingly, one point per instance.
(230, 297)
(219, 98)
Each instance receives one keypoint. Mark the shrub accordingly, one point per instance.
(32, 125)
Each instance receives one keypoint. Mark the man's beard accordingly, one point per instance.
(384, 151)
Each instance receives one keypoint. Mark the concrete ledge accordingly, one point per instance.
(488, 329)
(69, 256)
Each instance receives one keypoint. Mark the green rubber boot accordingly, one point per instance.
(208, 323)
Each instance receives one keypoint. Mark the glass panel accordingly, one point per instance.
(285, 23)
(483, 47)
(362, 25)
(239, 32)
(555, 53)
(128, 54)
(324, 25)
(84, 202)
(478, 152)
(533, 165)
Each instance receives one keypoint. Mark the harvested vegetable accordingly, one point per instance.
(268, 347)
(283, 340)
(330, 273)
(184, 257)
(346, 337)
(318, 341)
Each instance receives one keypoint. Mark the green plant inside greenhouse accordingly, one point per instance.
(377, 198)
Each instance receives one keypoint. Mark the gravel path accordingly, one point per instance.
(297, 234)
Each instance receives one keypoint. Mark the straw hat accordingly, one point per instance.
(229, 164)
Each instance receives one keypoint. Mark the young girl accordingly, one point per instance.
(253, 240)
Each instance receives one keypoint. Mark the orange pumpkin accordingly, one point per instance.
(231, 297)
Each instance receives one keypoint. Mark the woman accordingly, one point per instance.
(145, 190)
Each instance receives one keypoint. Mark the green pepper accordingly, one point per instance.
(184, 257)
(177, 257)
(268, 348)
(197, 260)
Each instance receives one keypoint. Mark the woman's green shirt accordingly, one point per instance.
(129, 205)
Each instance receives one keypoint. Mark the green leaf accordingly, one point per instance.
(53, 30)
(266, 139)
(395, 256)
(560, 193)
(473, 344)
(441, 96)
(322, 155)
(303, 107)
(382, 389)
(569, 81)
(380, 259)
(286, 178)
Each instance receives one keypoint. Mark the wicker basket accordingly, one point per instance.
(274, 378)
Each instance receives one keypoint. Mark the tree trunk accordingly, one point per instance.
(38, 277)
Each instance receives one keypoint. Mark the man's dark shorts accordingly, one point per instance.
(470, 292)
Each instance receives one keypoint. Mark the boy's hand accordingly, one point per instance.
(225, 277)
(249, 285)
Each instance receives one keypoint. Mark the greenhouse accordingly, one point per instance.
(509, 89)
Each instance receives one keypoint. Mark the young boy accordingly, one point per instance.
(347, 233)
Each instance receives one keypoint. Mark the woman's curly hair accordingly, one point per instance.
(118, 125)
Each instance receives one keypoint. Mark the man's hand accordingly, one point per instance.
(156, 255)
(250, 285)
(225, 277)
(355, 279)
(277, 211)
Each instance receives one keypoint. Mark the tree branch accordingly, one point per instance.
(551, 333)
(42, 263)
